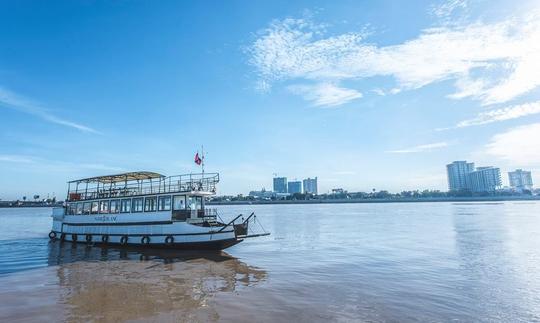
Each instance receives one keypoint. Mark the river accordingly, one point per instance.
(385, 262)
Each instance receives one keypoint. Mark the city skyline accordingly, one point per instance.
(364, 95)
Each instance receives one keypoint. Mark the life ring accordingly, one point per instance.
(145, 240)
(52, 235)
(169, 240)
(74, 237)
(88, 238)
(124, 240)
(104, 238)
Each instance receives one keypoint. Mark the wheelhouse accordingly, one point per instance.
(183, 196)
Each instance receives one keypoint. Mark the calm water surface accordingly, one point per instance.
(436, 262)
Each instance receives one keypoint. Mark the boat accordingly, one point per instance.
(147, 209)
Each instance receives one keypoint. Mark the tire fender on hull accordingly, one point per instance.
(169, 240)
(124, 240)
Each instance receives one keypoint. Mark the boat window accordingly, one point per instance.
(194, 202)
(137, 205)
(150, 204)
(164, 203)
(115, 206)
(104, 207)
(125, 206)
(79, 208)
(95, 208)
(72, 208)
(179, 202)
(86, 207)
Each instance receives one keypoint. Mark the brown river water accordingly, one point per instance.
(410, 262)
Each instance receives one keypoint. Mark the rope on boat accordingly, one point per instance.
(254, 234)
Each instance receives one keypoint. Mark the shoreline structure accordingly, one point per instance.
(12, 204)
(385, 200)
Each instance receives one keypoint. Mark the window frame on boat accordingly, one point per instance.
(79, 209)
(94, 209)
(71, 209)
(179, 198)
(104, 207)
(87, 210)
(134, 205)
(125, 206)
(195, 199)
(116, 203)
(150, 203)
(162, 203)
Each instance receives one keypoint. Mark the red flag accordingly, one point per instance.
(198, 159)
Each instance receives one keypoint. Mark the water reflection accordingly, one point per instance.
(112, 284)
(486, 266)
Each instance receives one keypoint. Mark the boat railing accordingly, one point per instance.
(210, 212)
(182, 215)
(204, 182)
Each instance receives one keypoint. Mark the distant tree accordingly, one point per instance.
(460, 193)
(382, 195)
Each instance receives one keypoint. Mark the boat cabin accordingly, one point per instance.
(144, 192)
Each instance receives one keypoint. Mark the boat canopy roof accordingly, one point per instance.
(130, 176)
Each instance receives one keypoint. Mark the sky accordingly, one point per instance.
(362, 94)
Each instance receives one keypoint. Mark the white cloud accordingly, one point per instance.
(508, 113)
(11, 100)
(518, 146)
(379, 91)
(447, 8)
(41, 163)
(490, 62)
(325, 94)
(16, 159)
(420, 148)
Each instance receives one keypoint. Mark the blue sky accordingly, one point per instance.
(361, 94)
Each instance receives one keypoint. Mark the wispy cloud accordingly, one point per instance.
(519, 146)
(11, 100)
(43, 163)
(420, 148)
(16, 159)
(446, 9)
(490, 62)
(508, 113)
(325, 94)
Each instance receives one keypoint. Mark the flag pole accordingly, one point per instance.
(202, 163)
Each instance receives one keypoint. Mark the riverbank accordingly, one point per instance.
(15, 204)
(382, 200)
(9, 204)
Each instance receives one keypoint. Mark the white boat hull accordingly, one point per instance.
(156, 231)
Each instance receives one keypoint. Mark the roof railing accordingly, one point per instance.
(86, 190)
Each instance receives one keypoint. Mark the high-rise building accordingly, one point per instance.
(294, 187)
(520, 180)
(280, 184)
(457, 175)
(310, 185)
(484, 179)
